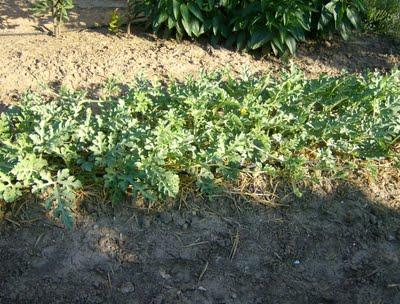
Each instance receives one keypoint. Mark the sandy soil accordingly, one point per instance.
(337, 244)
(86, 58)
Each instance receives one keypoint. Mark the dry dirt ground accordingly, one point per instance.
(337, 244)
(340, 246)
(85, 58)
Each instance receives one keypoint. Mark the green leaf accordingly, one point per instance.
(217, 25)
(259, 38)
(344, 30)
(185, 13)
(176, 8)
(187, 27)
(195, 11)
(291, 44)
(171, 23)
(353, 17)
(28, 168)
(277, 45)
(195, 27)
(9, 191)
(60, 191)
(162, 17)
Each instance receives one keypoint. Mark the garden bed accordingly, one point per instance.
(253, 243)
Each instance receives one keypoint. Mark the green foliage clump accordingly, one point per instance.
(136, 11)
(253, 24)
(58, 10)
(382, 16)
(148, 139)
(115, 22)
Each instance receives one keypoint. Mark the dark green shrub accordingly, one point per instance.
(193, 18)
(254, 24)
(340, 16)
(273, 24)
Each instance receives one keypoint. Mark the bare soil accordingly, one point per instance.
(83, 58)
(338, 244)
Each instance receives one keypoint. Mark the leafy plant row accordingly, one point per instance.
(252, 24)
(151, 138)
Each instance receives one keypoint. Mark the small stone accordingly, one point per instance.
(127, 288)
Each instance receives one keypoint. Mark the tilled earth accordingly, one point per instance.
(329, 247)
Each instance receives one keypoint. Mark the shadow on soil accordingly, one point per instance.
(361, 52)
(12, 9)
(336, 247)
(80, 17)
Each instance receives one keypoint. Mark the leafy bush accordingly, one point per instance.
(382, 16)
(152, 138)
(276, 24)
(253, 24)
(338, 16)
(58, 10)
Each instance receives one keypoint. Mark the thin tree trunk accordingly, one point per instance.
(53, 7)
(128, 17)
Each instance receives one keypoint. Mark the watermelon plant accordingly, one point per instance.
(206, 132)
(58, 10)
